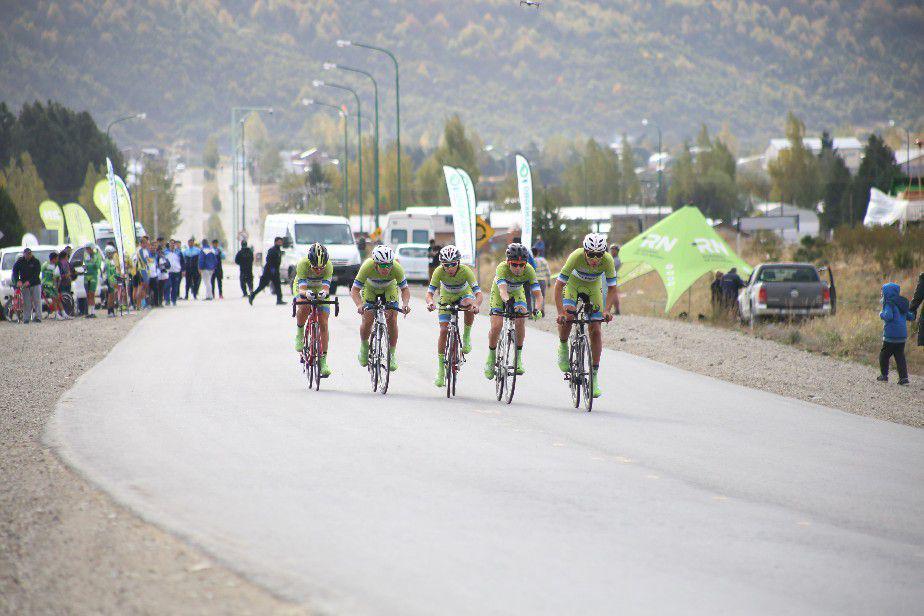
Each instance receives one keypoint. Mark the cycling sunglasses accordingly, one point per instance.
(451, 265)
(594, 255)
(516, 263)
(384, 265)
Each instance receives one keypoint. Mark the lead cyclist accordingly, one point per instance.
(312, 277)
(582, 274)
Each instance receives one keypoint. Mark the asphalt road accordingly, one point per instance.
(678, 494)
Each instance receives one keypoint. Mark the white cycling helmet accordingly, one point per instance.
(383, 254)
(109, 250)
(450, 254)
(595, 242)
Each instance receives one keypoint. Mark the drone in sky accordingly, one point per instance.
(534, 3)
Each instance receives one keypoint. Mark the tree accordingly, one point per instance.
(595, 178)
(215, 231)
(558, 233)
(794, 174)
(210, 157)
(683, 180)
(158, 195)
(10, 224)
(7, 122)
(708, 182)
(456, 149)
(61, 143)
(877, 170)
(85, 197)
(632, 188)
(26, 189)
(834, 177)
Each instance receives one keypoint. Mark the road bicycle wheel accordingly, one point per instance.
(510, 366)
(67, 304)
(589, 375)
(316, 354)
(10, 313)
(452, 360)
(575, 360)
(373, 361)
(384, 358)
(500, 361)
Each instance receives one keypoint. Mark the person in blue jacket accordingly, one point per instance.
(896, 312)
(191, 266)
(208, 261)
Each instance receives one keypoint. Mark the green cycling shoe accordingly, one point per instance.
(363, 354)
(597, 391)
(440, 373)
(563, 364)
(521, 369)
(393, 360)
(300, 339)
(325, 369)
(489, 364)
(467, 341)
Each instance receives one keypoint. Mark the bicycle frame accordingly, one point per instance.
(379, 361)
(310, 357)
(455, 356)
(580, 360)
(505, 357)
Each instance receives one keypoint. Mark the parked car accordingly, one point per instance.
(8, 257)
(785, 290)
(413, 258)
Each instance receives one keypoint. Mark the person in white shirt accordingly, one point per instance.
(174, 258)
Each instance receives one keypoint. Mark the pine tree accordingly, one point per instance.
(835, 185)
(10, 224)
(878, 170)
(26, 189)
(632, 188)
(85, 198)
(794, 174)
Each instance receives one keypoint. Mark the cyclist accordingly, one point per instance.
(92, 266)
(582, 274)
(312, 278)
(112, 281)
(142, 263)
(510, 279)
(51, 277)
(380, 276)
(456, 283)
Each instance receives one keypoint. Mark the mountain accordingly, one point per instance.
(514, 73)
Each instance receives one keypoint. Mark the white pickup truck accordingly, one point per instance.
(784, 290)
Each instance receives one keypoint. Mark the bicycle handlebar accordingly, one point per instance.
(311, 301)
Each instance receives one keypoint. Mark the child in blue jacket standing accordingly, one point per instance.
(895, 313)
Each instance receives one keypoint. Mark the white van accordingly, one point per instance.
(406, 227)
(300, 231)
(102, 231)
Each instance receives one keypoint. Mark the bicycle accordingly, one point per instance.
(455, 356)
(580, 373)
(310, 356)
(13, 308)
(379, 338)
(505, 359)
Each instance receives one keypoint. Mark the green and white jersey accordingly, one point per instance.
(92, 265)
(505, 276)
(578, 271)
(462, 283)
(304, 275)
(370, 280)
(50, 274)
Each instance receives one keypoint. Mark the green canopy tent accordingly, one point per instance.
(680, 248)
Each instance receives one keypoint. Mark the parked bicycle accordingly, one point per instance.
(310, 356)
(505, 359)
(580, 375)
(455, 354)
(379, 346)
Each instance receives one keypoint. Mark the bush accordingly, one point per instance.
(768, 244)
(903, 258)
(812, 249)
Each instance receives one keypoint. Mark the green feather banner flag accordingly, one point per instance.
(53, 218)
(79, 228)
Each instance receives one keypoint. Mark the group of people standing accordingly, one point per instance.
(158, 268)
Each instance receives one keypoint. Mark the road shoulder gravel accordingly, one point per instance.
(764, 364)
(66, 547)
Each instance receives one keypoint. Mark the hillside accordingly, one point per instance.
(515, 73)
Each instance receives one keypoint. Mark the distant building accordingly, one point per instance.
(849, 148)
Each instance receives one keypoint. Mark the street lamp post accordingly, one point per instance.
(375, 156)
(359, 156)
(907, 151)
(345, 43)
(344, 172)
(139, 116)
(645, 122)
(235, 111)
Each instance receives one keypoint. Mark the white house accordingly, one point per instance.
(849, 148)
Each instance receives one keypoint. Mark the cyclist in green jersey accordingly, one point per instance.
(380, 276)
(582, 274)
(92, 266)
(456, 283)
(312, 278)
(51, 276)
(510, 280)
(112, 281)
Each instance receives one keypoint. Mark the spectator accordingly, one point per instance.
(539, 247)
(244, 260)
(896, 310)
(67, 272)
(191, 257)
(614, 251)
(175, 259)
(51, 278)
(142, 273)
(271, 264)
(715, 289)
(93, 267)
(219, 273)
(433, 254)
(543, 272)
(27, 276)
(208, 261)
(916, 301)
(163, 277)
(731, 283)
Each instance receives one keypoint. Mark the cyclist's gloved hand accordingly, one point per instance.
(562, 319)
(322, 294)
(431, 306)
(406, 309)
(361, 309)
(607, 317)
(537, 314)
